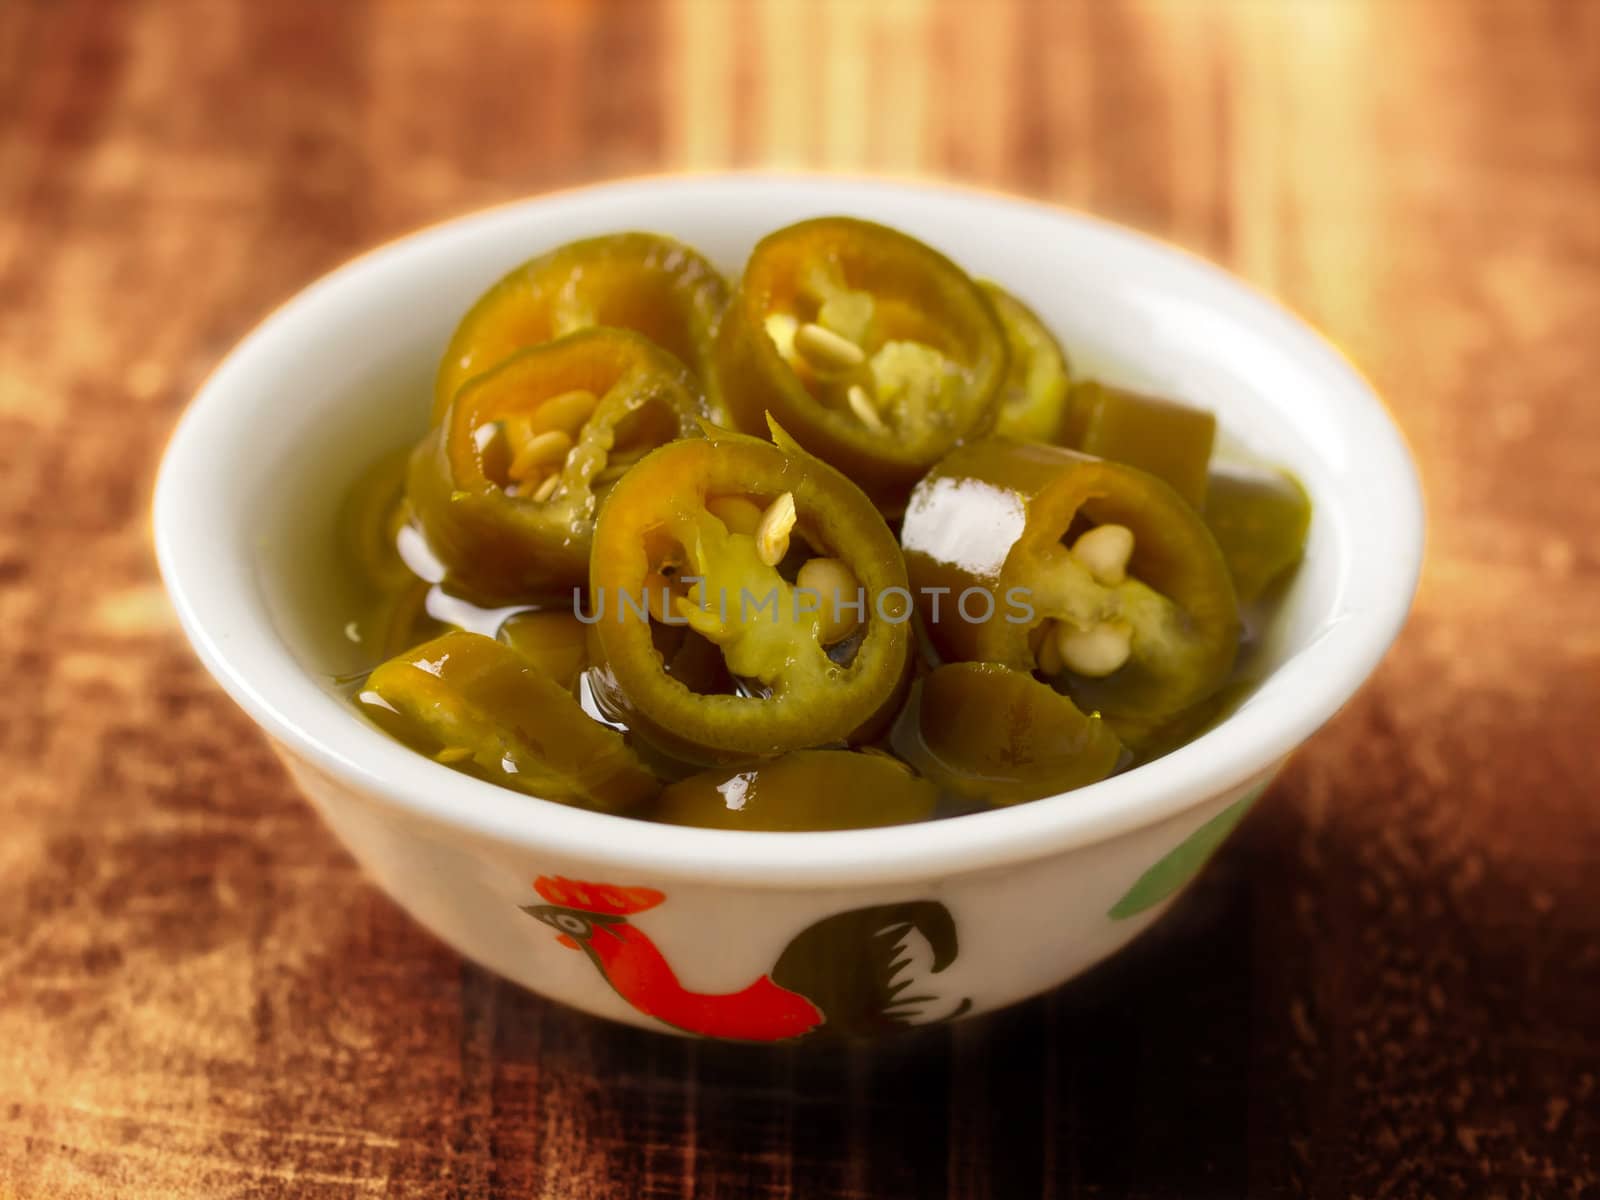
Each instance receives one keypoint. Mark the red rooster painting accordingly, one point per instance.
(859, 972)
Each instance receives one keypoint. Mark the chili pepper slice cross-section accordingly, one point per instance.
(653, 285)
(1033, 397)
(1094, 574)
(777, 560)
(872, 349)
(506, 487)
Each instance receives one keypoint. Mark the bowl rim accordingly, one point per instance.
(1376, 589)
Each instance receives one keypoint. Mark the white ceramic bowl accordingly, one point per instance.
(684, 928)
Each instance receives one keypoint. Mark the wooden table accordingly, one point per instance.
(1388, 983)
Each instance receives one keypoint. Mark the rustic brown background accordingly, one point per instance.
(1388, 984)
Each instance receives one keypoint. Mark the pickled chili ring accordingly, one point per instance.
(796, 694)
(999, 735)
(1038, 381)
(801, 791)
(586, 405)
(553, 641)
(1260, 518)
(1171, 441)
(473, 703)
(997, 515)
(653, 285)
(875, 351)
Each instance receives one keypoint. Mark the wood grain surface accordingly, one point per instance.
(1387, 985)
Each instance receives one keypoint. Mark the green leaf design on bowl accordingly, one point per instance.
(1184, 861)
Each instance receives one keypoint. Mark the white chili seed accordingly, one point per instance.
(839, 594)
(825, 350)
(1105, 550)
(1094, 653)
(542, 450)
(772, 534)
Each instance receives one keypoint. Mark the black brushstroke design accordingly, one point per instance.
(846, 965)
